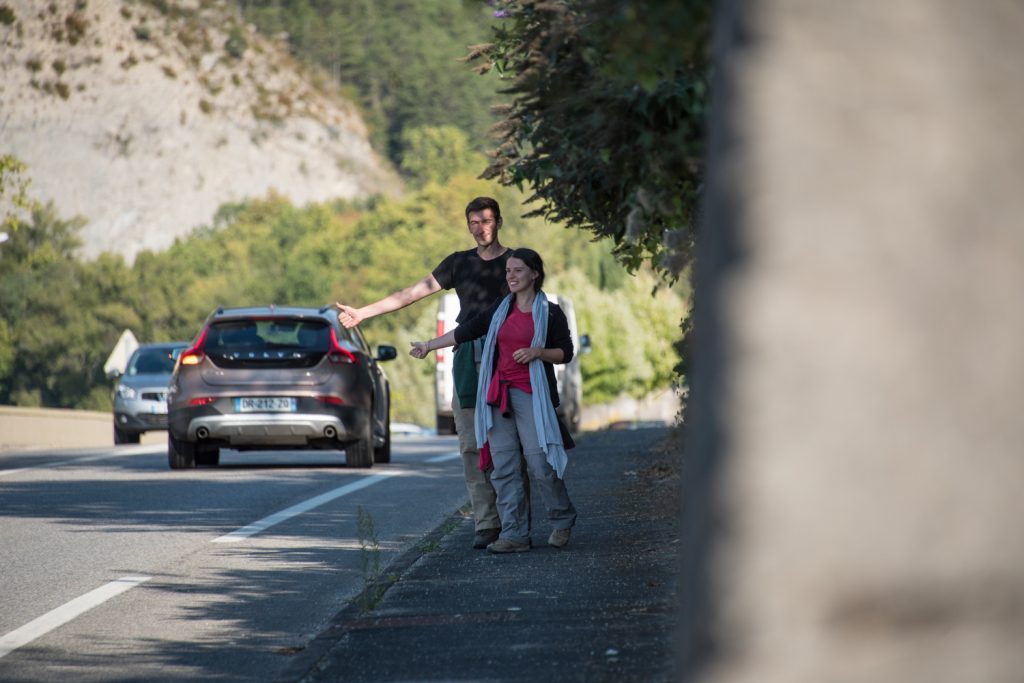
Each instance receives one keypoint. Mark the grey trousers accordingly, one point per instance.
(478, 484)
(505, 438)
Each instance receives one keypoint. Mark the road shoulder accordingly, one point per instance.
(602, 609)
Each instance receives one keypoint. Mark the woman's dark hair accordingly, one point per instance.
(533, 261)
(481, 203)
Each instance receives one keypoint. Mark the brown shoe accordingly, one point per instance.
(485, 537)
(503, 545)
(559, 538)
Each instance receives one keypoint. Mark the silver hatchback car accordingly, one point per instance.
(272, 377)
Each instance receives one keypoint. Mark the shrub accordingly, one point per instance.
(76, 25)
(7, 15)
(236, 43)
(160, 5)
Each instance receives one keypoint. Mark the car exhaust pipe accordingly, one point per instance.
(330, 432)
(202, 433)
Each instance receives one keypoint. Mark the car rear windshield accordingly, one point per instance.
(157, 361)
(267, 343)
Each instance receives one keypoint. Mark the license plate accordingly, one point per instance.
(158, 408)
(271, 404)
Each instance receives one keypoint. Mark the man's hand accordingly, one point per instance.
(419, 349)
(348, 316)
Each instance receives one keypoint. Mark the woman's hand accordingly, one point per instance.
(419, 349)
(526, 354)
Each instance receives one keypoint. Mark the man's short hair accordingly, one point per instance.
(481, 203)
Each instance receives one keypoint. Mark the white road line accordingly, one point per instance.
(305, 506)
(66, 612)
(121, 451)
(444, 458)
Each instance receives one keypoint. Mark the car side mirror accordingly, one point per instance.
(585, 343)
(386, 352)
(113, 373)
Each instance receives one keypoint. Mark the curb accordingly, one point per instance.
(308, 661)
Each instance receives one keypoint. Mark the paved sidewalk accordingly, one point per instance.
(603, 609)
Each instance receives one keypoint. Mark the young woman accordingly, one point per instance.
(516, 400)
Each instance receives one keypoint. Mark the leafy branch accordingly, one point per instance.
(607, 120)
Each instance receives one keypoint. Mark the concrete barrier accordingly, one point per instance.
(29, 429)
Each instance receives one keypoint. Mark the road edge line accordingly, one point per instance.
(55, 618)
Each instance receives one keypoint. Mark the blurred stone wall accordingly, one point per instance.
(855, 458)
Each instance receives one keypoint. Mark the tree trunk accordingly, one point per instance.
(855, 454)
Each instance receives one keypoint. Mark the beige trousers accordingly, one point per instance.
(478, 484)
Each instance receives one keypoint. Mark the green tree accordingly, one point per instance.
(400, 56)
(14, 197)
(606, 123)
(631, 334)
(437, 153)
(60, 316)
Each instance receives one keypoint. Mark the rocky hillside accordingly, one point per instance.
(144, 116)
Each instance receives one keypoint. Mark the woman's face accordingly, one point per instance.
(519, 276)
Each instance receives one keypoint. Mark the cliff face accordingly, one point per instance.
(145, 116)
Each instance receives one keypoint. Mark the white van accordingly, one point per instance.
(570, 382)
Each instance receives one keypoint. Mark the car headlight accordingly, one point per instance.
(126, 393)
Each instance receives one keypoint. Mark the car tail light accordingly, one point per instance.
(337, 354)
(332, 400)
(202, 401)
(439, 356)
(195, 355)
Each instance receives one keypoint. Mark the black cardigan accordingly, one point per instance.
(558, 338)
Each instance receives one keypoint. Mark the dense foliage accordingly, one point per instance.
(60, 317)
(13, 190)
(398, 57)
(606, 123)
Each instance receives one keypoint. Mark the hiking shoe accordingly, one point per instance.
(559, 538)
(503, 545)
(485, 537)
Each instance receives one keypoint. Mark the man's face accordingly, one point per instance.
(482, 227)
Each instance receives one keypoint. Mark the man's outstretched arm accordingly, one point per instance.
(350, 317)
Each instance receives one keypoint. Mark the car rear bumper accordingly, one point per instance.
(267, 429)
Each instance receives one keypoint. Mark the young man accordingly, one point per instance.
(478, 278)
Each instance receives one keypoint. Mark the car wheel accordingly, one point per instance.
(360, 453)
(181, 455)
(382, 453)
(207, 456)
(121, 436)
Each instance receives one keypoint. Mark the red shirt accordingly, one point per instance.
(515, 333)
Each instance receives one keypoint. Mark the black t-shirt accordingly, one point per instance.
(476, 282)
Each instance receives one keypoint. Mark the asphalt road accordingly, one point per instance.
(115, 568)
